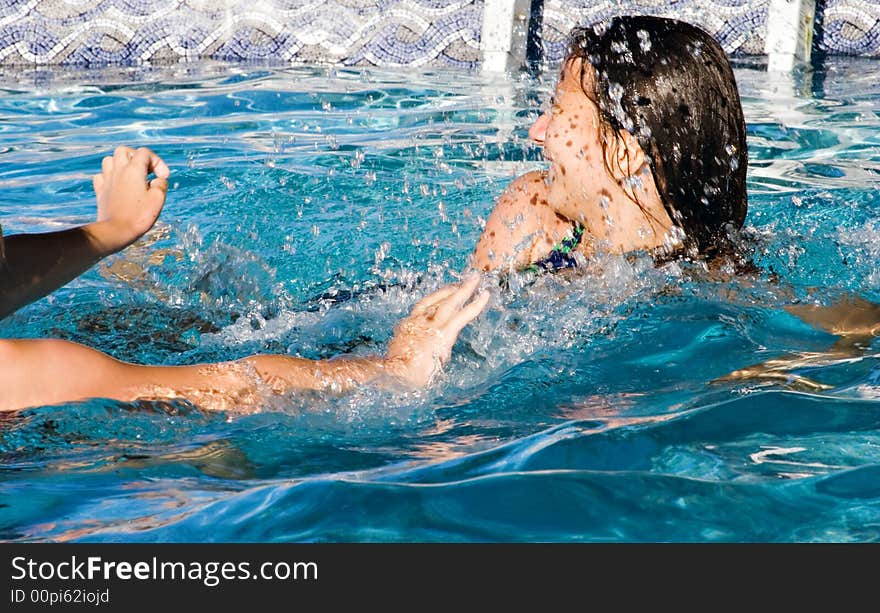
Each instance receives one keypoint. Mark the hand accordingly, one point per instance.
(128, 206)
(423, 342)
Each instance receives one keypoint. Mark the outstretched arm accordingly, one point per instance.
(43, 372)
(37, 264)
(521, 229)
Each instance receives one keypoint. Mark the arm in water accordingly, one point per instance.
(44, 371)
(854, 320)
(33, 265)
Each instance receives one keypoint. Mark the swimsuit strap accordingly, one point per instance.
(560, 256)
(567, 244)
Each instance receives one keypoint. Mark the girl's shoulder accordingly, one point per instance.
(527, 186)
(522, 228)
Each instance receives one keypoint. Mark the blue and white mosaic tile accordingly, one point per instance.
(851, 27)
(354, 32)
(364, 32)
(739, 25)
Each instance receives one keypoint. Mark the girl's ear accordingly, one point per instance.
(623, 154)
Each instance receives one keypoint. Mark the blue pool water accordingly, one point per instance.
(310, 208)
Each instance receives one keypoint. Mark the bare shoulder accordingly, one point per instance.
(522, 227)
(528, 190)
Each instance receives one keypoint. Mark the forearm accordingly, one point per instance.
(282, 373)
(248, 384)
(41, 372)
(37, 264)
(31, 376)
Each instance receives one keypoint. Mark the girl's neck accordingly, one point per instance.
(632, 218)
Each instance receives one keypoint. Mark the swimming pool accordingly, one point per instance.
(311, 207)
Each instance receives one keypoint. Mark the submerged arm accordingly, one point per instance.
(854, 320)
(42, 372)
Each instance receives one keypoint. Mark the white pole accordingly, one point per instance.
(505, 34)
(789, 33)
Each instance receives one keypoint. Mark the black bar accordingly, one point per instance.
(331, 575)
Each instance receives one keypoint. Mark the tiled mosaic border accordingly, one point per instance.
(850, 27)
(739, 25)
(365, 32)
(351, 32)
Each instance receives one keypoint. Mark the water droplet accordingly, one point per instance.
(381, 254)
(616, 92)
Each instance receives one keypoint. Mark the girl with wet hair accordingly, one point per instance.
(646, 141)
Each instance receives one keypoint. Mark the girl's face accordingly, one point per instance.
(570, 134)
(597, 177)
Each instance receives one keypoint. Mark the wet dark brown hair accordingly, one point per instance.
(671, 86)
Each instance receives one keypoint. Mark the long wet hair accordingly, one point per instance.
(671, 86)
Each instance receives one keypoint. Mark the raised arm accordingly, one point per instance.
(521, 229)
(43, 372)
(36, 264)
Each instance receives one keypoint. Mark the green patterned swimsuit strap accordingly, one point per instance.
(561, 256)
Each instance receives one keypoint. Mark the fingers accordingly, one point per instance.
(469, 312)
(432, 299)
(151, 162)
(143, 161)
(98, 183)
(122, 155)
(456, 300)
(159, 186)
(438, 298)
